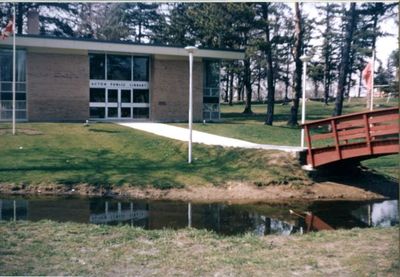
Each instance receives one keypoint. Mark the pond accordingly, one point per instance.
(261, 219)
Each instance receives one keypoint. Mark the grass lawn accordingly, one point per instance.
(108, 154)
(49, 248)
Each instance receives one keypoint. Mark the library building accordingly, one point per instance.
(65, 79)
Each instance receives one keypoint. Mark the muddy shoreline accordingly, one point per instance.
(233, 192)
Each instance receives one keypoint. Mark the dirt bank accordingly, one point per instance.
(231, 192)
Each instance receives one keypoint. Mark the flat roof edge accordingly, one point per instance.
(123, 47)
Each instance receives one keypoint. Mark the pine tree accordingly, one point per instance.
(298, 65)
(344, 63)
(330, 47)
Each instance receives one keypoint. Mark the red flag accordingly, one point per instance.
(5, 33)
(367, 76)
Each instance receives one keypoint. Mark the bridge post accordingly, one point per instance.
(367, 133)
(308, 137)
(337, 143)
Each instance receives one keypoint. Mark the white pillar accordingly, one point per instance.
(13, 76)
(372, 81)
(190, 50)
(190, 105)
(304, 59)
(303, 103)
(190, 215)
(15, 210)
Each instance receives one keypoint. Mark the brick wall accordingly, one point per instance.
(57, 87)
(170, 90)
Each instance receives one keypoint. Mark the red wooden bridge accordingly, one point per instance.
(359, 136)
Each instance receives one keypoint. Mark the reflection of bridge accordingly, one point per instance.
(359, 136)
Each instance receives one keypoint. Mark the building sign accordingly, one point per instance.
(119, 84)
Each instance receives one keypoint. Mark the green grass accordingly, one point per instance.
(107, 154)
(49, 248)
(388, 165)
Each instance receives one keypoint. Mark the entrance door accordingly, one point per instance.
(119, 103)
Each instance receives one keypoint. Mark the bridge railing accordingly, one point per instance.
(362, 128)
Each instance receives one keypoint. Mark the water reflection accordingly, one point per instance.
(222, 218)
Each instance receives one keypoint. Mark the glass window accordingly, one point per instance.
(119, 67)
(6, 75)
(125, 112)
(112, 112)
(20, 96)
(97, 66)
(126, 96)
(141, 96)
(97, 112)
(20, 114)
(140, 112)
(6, 114)
(112, 96)
(5, 105)
(98, 95)
(20, 87)
(21, 61)
(8, 96)
(211, 74)
(6, 86)
(140, 69)
(6, 65)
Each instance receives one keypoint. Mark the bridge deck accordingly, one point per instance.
(358, 135)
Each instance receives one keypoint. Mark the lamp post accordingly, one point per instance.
(372, 81)
(190, 50)
(305, 59)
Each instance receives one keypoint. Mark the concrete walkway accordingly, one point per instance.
(182, 134)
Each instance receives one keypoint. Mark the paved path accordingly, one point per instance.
(182, 134)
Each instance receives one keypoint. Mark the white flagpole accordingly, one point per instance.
(13, 83)
(372, 81)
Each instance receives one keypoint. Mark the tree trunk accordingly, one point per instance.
(287, 84)
(286, 98)
(247, 84)
(348, 87)
(327, 66)
(231, 88)
(344, 64)
(226, 88)
(19, 18)
(359, 85)
(270, 77)
(259, 87)
(140, 32)
(239, 87)
(316, 87)
(299, 66)
(351, 63)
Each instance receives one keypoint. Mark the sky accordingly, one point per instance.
(385, 45)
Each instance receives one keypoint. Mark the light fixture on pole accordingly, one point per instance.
(305, 59)
(190, 50)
